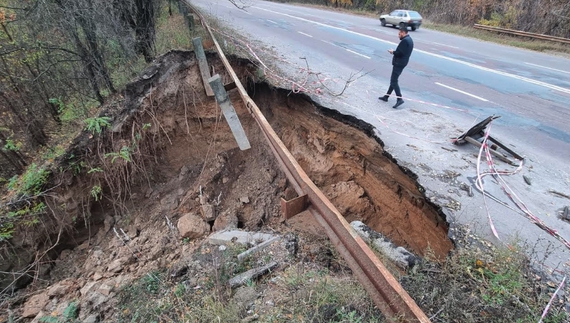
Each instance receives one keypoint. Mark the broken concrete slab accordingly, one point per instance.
(237, 236)
(251, 274)
(257, 248)
(399, 255)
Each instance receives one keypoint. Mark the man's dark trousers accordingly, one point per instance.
(396, 72)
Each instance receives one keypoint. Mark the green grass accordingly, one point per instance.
(318, 295)
(172, 31)
(481, 284)
(156, 298)
(299, 293)
(69, 315)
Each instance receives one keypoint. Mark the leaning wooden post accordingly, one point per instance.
(229, 112)
(188, 17)
(202, 64)
(190, 22)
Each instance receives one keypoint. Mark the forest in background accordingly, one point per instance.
(550, 17)
(59, 60)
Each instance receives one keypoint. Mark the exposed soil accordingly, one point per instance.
(183, 158)
(348, 164)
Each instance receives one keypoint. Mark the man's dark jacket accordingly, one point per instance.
(403, 52)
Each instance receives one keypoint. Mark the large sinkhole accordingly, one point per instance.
(344, 159)
(182, 156)
(339, 153)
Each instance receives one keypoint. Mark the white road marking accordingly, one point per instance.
(548, 68)
(462, 92)
(356, 53)
(348, 50)
(479, 67)
(328, 42)
(302, 33)
(444, 45)
(271, 21)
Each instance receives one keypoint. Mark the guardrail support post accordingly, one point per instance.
(229, 112)
(203, 64)
(294, 206)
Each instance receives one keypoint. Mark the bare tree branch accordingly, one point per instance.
(351, 79)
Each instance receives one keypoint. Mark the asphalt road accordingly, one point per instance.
(450, 84)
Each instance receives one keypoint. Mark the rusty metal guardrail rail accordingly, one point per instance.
(523, 33)
(384, 289)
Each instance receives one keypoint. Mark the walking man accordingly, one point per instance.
(399, 61)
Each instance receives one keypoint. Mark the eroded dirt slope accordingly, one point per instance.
(184, 166)
(348, 163)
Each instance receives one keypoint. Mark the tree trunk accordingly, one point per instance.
(92, 76)
(13, 157)
(98, 64)
(53, 112)
(144, 29)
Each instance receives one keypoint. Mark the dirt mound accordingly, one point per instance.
(170, 155)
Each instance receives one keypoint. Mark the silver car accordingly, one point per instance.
(402, 19)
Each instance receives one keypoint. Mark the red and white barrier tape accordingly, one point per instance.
(297, 87)
(547, 308)
(508, 191)
(479, 182)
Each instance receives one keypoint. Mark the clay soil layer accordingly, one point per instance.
(349, 165)
(184, 157)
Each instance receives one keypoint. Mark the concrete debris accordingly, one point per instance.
(466, 188)
(237, 236)
(251, 274)
(257, 248)
(292, 243)
(399, 255)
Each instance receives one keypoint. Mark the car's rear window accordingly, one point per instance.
(414, 14)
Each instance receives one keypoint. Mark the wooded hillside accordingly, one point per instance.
(59, 59)
(551, 17)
